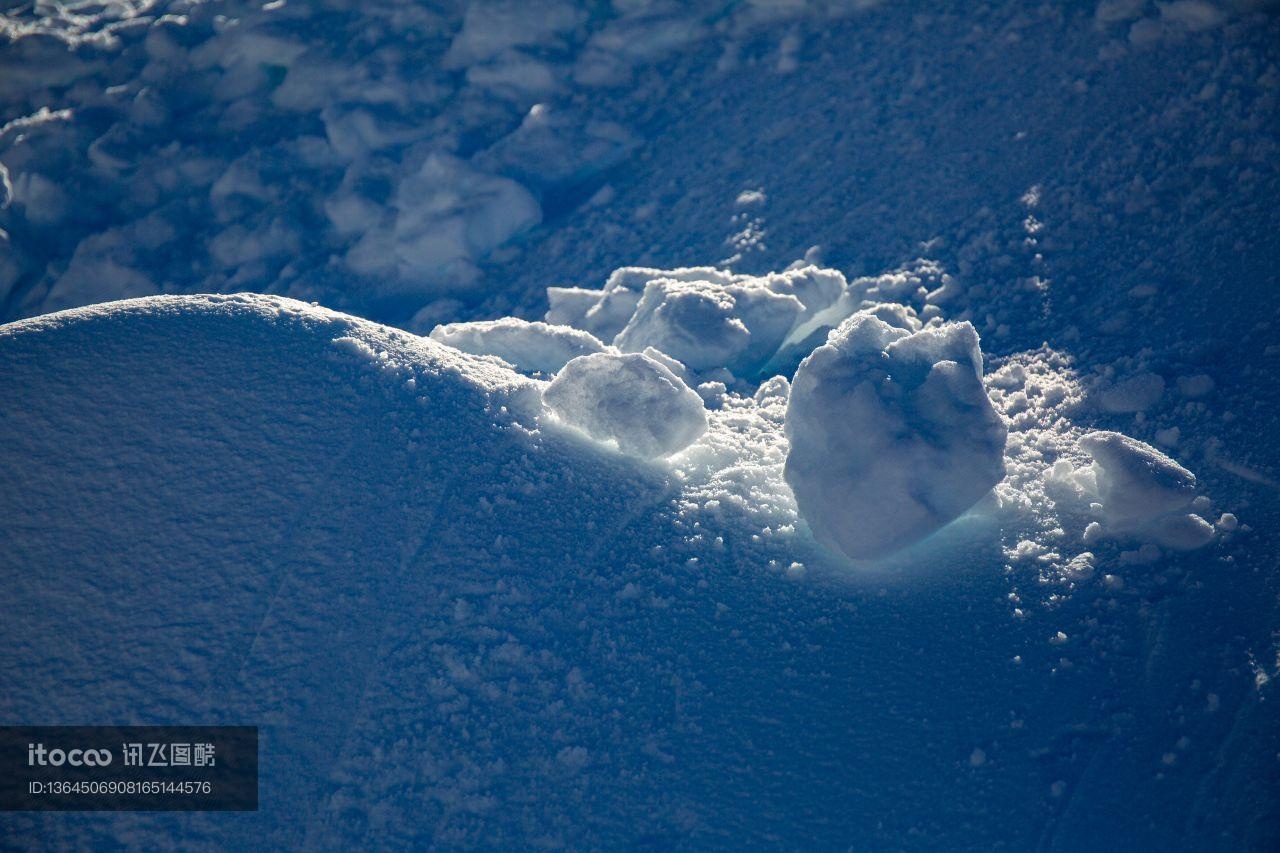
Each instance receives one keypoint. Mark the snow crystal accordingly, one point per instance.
(892, 435)
(532, 347)
(628, 398)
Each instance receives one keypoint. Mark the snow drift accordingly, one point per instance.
(459, 625)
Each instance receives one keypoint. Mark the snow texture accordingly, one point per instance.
(435, 596)
(892, 435)
(630, 399)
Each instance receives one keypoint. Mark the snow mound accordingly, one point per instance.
(532, 347)
(892, 434)
(1144, 495)
(631, 399)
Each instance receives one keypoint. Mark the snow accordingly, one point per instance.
(529, 347)
(630, 399)
(707, 325)
(607, 311)
(431, 505)
(441, 218)
(1143, 493)
(466, 618)
(706, 318)
(892, 435)
(1132, 394)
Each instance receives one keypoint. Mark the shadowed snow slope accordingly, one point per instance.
(458, 625)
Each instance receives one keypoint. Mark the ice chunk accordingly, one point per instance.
(671, 364)
(533, 347)
(709, 318)
(1144, 494)
(635, 278)
(629, 398)
(612, 310)
(1136, 482)
(812, 330)
(705, 325)
(892, 434)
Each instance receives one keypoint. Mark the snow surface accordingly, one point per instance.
(459, 622)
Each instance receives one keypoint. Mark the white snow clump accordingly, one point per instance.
(892, 434)
(532, 347)
(707, 318)
(628, 398)
(706, 325)
(1144, 495)
(604, 313)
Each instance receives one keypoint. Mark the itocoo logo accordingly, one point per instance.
(38, 755)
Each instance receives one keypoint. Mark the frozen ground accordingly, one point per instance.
(461, 615)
